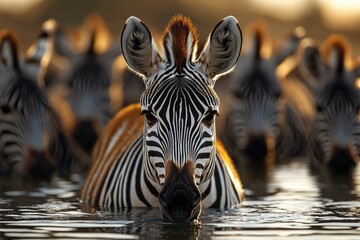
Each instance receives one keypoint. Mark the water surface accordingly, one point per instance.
(289, 203)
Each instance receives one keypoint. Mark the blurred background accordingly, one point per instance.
(319, 17)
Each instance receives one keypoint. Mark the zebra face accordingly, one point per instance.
(86, 80)
(179, 105)
(257, 114)
(88, 95)
(24, 122)
(257, 111)
(180, 125)
(337, 126)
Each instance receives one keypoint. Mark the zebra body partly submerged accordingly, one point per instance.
(170, 158)
(117, 178)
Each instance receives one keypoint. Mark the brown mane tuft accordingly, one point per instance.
(179, 27)
(260, 41)
(342, 48)
(8, 36)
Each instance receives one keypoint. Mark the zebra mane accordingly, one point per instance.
(260, 40)
(97, 36)
(9, 49)
(180, 40)
(337, 53)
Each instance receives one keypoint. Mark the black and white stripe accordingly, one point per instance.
(267, 116)
(31, 140)
(127, 185)
(335, 144)
(85, 82)
(175, 162)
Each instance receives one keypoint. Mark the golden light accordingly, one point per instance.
(357, 83)
(96, 25)
(340, 14)
(18, 6)
(282, 10)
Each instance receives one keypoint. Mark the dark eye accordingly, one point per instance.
(278, 94)
(5, 109)
(319, 108)
(150, 118)
(209, 118)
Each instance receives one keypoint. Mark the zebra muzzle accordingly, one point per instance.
(342, 160)
(257, 146)
(180, 199)
(85, 134)
(39, 164)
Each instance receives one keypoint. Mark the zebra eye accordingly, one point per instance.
(150, 118)
(5, 109)
(319, 108)
(239, 94)
(209, 118)
(278, 94)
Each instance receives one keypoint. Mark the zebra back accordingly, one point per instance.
(119, 134)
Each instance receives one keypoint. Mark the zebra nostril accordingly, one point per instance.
(5, 109)
(39, 164)
(85, 135)
(180, 202)
(342, 160)
(257, 146)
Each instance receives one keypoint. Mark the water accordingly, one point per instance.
(289, 203)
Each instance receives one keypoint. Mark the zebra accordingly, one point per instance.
(32, 142)
(267, 117)
(86, 84)
(334, 76)
(170, 159)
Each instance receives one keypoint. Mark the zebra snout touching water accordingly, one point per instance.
(169, 156)
(85, 80)
(334, 75)
(266, 117)
(32, 142)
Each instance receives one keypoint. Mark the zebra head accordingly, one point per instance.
(24, 136)
(179, 105)
(337, 125)
(256, 116)
(87, 78)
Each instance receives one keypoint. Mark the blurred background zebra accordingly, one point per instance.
(320, 18)
(334, 75)
(268, 117)
(32, 142)
(81, 76)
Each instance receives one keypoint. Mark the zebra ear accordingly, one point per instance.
(259, 41)
(222, 49)
(311, 66)
(8, 49)
(38, 57)
(290, 46)
(337, 52)
(96, 34)
(137, 47)
(62, 43)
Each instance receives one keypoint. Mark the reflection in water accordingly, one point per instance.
(289, 202)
